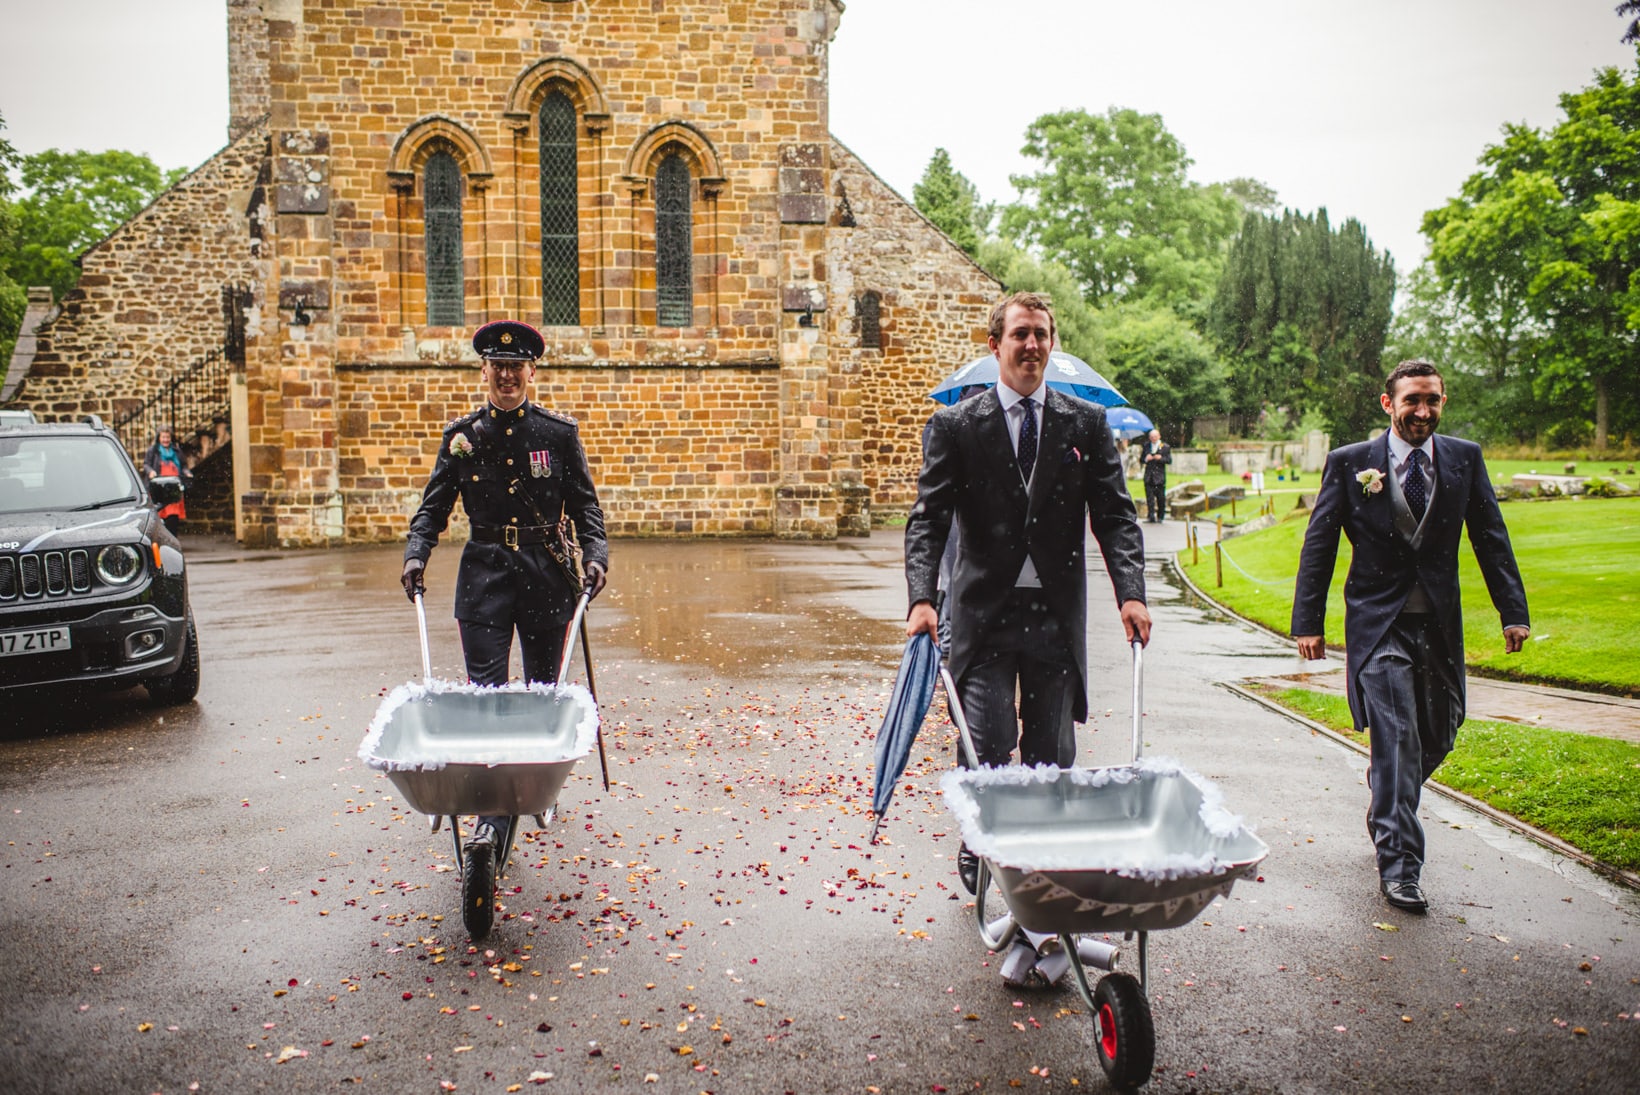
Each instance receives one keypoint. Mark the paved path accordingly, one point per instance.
(193, 895)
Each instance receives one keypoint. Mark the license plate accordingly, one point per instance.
(45, 640)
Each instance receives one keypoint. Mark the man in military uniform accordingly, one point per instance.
(518, 469)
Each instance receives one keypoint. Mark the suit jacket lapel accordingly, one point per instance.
(1050, 449)
(991, 427)
(1450, 472)
(1388, 505)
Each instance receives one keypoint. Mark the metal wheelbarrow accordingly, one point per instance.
(1129, 848)
(453, 748)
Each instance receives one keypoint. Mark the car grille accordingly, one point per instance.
(40, 574)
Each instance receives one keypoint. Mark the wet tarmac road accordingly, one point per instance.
(221, 895)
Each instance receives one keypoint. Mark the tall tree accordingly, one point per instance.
(1488, 377)
(13, 297)
(1301, 312)
(70, 201)
(1548, 233)
(1630, 10)
(1075, 322)
(1162, 365)
(946, 197)
(1114, 204)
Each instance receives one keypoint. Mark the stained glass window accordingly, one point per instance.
(441, 192)
(560, 215)
(674, 265)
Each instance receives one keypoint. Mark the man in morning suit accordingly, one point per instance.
(517, 468)
(1157, 457)
(1403, 500)
(1019, 470)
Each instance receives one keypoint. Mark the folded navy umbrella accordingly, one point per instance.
(907, 707)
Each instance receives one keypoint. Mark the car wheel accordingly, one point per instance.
(183, 685)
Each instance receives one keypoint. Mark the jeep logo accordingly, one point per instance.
(11, 545)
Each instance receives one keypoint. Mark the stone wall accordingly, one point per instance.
(764, 415)
(149, 302)
(935, 306)
(674, 451)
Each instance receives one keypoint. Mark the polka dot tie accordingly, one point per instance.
(1027, 439)
(1416, 487)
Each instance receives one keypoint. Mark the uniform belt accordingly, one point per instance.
(513, 535)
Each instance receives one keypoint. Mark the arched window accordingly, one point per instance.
(560, 214)
(441, 212)
(869, 309)
(674, 247)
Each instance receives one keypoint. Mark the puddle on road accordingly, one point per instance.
(747, 609)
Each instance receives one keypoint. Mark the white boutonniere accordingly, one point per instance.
(1371, 480)
(460, 446)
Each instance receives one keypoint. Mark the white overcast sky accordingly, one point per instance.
(1376, 109)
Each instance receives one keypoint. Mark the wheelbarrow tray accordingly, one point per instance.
(1136, 847)
(453, 748)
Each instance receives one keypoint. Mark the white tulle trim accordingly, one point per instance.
(1218, 821)
(586, 730)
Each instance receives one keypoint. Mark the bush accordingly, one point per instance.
(1605, 488)
(1572, 433)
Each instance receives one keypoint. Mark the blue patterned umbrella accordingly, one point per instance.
(1127, 422)
(1065, 373)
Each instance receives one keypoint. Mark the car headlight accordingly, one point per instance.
(118, 564)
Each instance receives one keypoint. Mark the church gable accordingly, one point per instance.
(654, 189)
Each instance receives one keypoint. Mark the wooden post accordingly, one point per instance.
(1218, 529)
(1218, 563)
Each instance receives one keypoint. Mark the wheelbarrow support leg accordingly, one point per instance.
(578, 623)
(592, 686)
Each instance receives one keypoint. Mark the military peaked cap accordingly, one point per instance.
(508, 340)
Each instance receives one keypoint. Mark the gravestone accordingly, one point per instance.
(1315, 450)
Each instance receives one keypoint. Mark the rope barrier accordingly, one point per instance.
(1249, 577)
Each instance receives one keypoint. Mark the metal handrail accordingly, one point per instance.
(191, 404)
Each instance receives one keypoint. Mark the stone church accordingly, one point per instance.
(745, 320)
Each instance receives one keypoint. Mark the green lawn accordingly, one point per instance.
(1580, 558)
(1584, 790)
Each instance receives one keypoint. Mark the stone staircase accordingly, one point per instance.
(195, 404)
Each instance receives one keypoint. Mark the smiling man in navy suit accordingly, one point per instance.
(1404, 500)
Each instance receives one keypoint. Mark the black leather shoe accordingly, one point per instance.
(968, 868)
(1405, 895)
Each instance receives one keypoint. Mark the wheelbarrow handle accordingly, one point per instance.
(426, 660)
(571, 635)
(1138, 696)
(959, 717)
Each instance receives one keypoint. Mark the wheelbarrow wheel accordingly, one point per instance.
(478, 889)
(1125, 1032)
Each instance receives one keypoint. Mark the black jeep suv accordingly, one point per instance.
(92, 588)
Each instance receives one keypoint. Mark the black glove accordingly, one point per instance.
(594, 583)
(412, 579)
